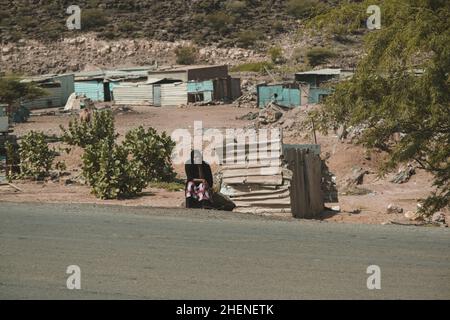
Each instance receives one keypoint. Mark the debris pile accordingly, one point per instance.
(259, 187)
(404, 174)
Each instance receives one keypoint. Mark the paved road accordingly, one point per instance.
(127, 253)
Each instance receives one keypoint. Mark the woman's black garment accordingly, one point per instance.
(193, 172)
(198, 171)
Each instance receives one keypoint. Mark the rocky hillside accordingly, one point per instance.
(35, 39)
(204, 21)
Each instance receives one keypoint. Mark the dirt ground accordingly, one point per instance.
(367, 208)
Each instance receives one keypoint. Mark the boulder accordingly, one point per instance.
(438, 218)
(391, 208)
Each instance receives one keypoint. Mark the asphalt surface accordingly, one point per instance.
(144, 253)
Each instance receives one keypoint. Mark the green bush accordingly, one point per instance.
(116, 171)
(252, 67)
(247, 39)
(318, 56)
(36, 157)
(237, 7)
(109, 172)
(152, 151)
(219, 21)
(303, 8)
(92, 19)
(276, 55)
(83, 134)
(186, 55)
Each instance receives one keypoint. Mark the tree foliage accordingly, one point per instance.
(400, 91)
(12, 90)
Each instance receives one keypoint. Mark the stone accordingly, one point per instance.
(438, 217)
(404, 174)
(414, 216)
(336, 208)
(391, 208)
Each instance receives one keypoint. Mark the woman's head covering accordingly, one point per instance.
(196, 157)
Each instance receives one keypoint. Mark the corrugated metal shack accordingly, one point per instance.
(313, 83)
(58, 88)
(98, 85)
(200, 84)
(308, 88)
(286, 95)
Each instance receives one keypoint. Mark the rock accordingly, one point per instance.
(438, 218)
(404, 174)
(414, 216)
(391, 208)
(336, 208)
(356, 177)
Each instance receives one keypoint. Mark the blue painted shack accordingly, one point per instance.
(287, 95)
(200, 91)
(313, 83)
(98, 85)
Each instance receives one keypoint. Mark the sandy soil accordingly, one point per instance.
(343, 157)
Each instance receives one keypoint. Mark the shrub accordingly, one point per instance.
(317, 56)
(276, 55)
(252, 67)
(248, 38)
(298, 55)
(116, 171)
(302, 8)
(219, 21)
(92, 19)
(36, 157)
(237, 7)
(152, 152)
(83, 134)
(127, 26)
(109, 172)
(186, 55)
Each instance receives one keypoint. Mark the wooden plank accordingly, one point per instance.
(314, 188)
(251, 197)
(255, 145)
(303, 200)
(259, 192)
(258, 210)
(285, 202)
(243, 166)
(269, 171)
(276, 180)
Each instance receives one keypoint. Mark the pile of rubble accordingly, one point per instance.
(248, 99)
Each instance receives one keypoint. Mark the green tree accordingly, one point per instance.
(12, 90)
(400, 91)
(186, 55)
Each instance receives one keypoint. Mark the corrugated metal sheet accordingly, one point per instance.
(326, 71)
(133, 94)
(94, 90)
(285, 96)
(53, 99)
(59, 88)
(174, 94)
(202, 86)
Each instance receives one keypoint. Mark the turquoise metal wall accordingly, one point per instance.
(94, 90)
(285, 96)
(202, 86)
(315, 93)
(205, 87)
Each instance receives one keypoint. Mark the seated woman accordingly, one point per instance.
(199, 182)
